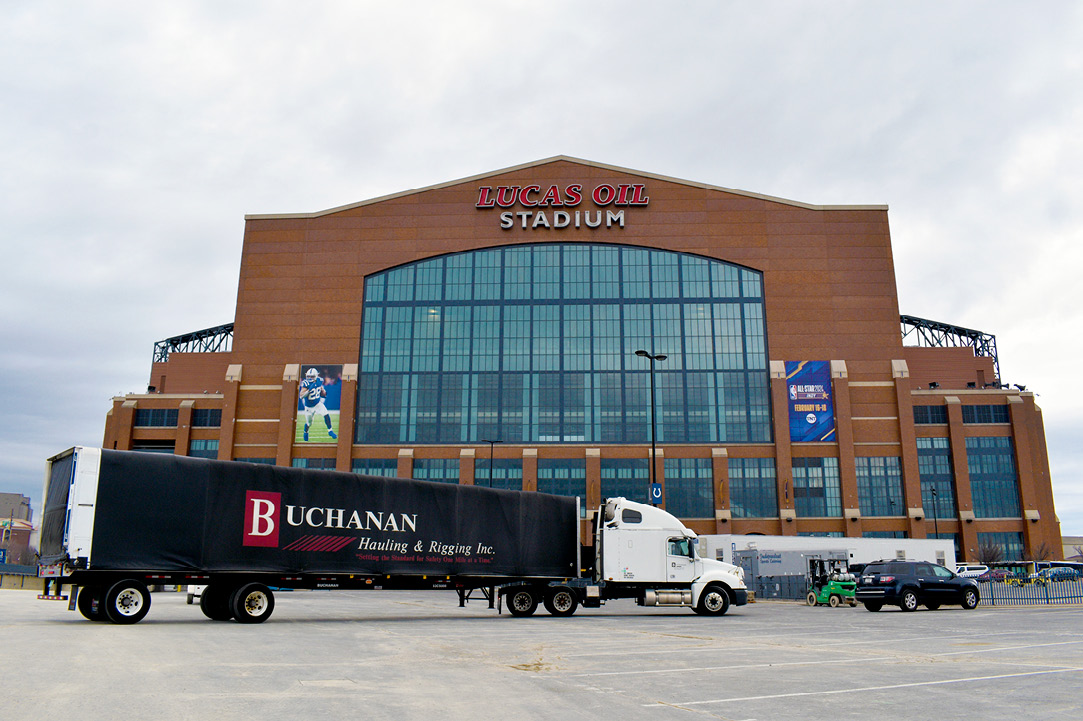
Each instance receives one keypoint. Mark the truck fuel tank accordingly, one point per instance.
(668, 597)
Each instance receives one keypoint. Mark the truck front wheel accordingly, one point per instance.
(714, 601)
(522, 602)
(252, 603)
(561, 602)
(127, 601)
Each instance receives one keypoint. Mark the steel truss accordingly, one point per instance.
(209, 340)
(934, 334)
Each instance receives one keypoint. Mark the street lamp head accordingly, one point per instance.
(645, 354)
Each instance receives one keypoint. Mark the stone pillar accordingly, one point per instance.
(406, 463)
(468, 467)
(720, 473)
(229, 412)
(911, 477)
(287, 424)
(968, 535)
(346, 417)
(184, 428)
(783, 452)
(530, 469)
(844, 436)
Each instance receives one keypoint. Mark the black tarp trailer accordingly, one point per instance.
(115, 522)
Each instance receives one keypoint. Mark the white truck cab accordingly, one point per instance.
(644, 546)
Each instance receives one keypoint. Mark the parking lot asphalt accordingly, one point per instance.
(417, 655)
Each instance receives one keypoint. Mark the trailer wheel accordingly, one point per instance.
(214, 603)
(522, 602)
(561, 601)
(714, 601)
(90, 603)
(127, 601)
(252, 603)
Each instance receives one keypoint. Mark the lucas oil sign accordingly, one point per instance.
(812, 413)
(533, 207)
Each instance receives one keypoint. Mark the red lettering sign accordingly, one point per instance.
(532, 196)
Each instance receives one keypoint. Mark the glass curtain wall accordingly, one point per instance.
(536, 344)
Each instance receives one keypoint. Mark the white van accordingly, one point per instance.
(970, 570)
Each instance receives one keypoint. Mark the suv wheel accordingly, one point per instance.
(908, 601)
(873, 606)
(970, 599)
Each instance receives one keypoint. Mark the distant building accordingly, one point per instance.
(15, 545)
(507, 330)
(1073, 548)
(15, 505)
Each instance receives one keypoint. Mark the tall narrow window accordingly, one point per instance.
(690, 487)
(935, 471)
(817, 490)
(753, 490)
(564, 478)
(879, 486)
(994, 484)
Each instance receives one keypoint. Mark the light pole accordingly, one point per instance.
(654, 422)
(491, 444)
(936, 514)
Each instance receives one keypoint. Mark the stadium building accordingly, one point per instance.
(509, 330)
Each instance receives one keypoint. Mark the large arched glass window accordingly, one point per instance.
(536, 344)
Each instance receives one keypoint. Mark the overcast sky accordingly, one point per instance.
(135, 136)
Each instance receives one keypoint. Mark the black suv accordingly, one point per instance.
(908, 584)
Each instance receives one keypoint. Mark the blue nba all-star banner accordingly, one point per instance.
(812, 414)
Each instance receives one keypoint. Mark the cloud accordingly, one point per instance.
(138, 135)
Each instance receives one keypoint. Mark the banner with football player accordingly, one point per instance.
(319, 400)
(812, 412)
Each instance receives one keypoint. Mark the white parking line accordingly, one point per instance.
(834, 643)
(862, 659)
(736, 668)
(864, 689)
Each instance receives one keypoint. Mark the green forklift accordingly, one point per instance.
(830, 582)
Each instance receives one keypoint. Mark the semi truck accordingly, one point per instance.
(116, 523)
